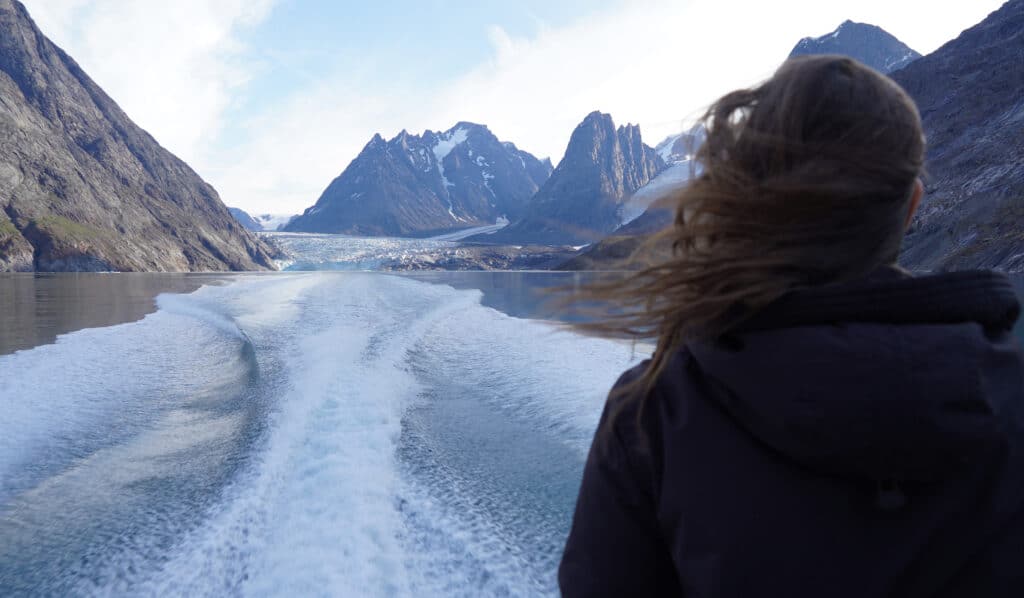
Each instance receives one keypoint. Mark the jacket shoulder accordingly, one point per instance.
(635, 419)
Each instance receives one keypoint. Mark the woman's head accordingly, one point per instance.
(814, 169)
(809, 178)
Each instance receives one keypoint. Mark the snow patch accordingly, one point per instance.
(664, 149)
(444, 146)
(665, 183)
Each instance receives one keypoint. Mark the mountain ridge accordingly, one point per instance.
(421, 184)
(867, 43)
(973, 117)
(583, 199)
(82, 187)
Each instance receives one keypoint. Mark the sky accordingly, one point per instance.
(269, 100)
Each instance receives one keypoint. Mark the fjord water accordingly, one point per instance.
(320, 433)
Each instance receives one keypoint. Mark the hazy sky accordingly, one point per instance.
(269, 100)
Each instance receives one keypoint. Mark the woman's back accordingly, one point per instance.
(814, 421)
(860, 440)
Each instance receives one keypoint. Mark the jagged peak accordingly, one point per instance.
(375, 142)
(629, 129)
(597, 116)
(465, 124)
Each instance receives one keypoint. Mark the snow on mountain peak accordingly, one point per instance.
(664, 149)
(446, 142)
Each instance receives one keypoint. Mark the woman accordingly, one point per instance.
(814, 421)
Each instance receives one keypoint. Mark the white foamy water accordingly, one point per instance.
(309, 434)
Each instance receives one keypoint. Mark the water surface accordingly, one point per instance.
(312, 433)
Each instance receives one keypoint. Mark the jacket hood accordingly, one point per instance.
(891, 378)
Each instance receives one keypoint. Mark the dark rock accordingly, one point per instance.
(971, 96)
(869, 44)
(84, 188)
(612, 253)
(418, 185)
(582, 201)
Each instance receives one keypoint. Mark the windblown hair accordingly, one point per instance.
(804, 180)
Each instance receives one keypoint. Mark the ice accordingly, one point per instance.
(671, 179)
(312, 251)
(273, 222)
(444, 146)
(664, 148)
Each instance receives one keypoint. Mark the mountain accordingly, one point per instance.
(419, 184)
(245, 219)
(869, 44)
(678, 152)
(676, 149)
(970, 96)
(584, 198)
(82, 187)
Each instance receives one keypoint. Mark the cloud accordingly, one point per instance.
(179, 69)
(174, 67)
(653, 62)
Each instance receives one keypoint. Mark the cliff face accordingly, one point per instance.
(970, 95)
(84, 188)
(435, 182)
(583, 200)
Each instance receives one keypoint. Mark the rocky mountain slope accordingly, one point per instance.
(971, 96)
(678, 152)
(243, 218)
(419, 184)
(869, 44)
(584, 198)
(84, 188)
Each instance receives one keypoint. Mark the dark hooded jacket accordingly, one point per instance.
(864, 439)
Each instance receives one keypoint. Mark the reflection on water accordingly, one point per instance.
(519, 294)
(36, 308)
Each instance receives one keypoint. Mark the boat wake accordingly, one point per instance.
(314, 433)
